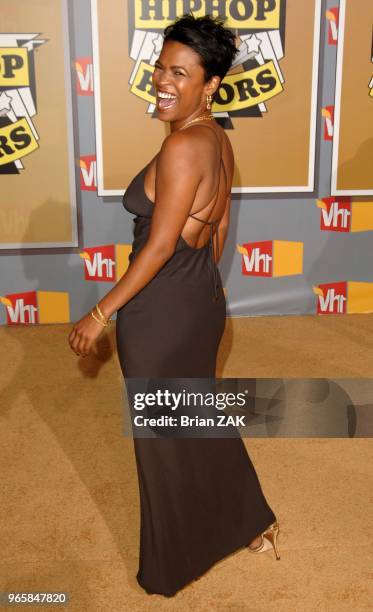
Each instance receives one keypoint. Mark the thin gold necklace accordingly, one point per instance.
(200, 118)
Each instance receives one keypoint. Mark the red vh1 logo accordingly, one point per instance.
(84, 76)
(332, 15)
(271, 258)
(332, 298)
(328, 113)
(335, 214)
(106, 263)
(345, 215)
(31, 307)
(88, 173)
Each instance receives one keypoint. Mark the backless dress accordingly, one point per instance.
(200, 498)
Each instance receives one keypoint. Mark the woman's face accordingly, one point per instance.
(178, 72)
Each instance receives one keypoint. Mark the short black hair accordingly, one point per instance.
(206, 35)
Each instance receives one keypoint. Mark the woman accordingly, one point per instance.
(171, 312)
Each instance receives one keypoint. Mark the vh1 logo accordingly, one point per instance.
(105, 263)
(332, 15)
(344, 297)
(331, 298)
(88, 173)
(345, 215)
(84, 76)
(32, 307)
(271, 258)
(328, 113)
(335, 214)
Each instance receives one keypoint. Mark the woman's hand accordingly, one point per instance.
(83, 334)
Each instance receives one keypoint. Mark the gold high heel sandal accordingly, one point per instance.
(269, 540)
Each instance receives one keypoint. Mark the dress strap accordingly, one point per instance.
(202, 220)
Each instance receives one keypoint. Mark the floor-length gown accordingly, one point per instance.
(200, 498)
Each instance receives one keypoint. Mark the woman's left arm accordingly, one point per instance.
(177, 179)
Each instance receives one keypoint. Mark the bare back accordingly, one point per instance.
(213, 194)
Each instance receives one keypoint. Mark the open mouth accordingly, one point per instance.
(165, 100)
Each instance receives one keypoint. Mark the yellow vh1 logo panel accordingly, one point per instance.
(362, 216)
(53, 307)
(287, 258)
(14, 67)
(359, 297)
(122, 252)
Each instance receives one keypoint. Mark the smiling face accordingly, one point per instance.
(178, 79)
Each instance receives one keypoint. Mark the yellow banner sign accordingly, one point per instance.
(237, 91)
(14, 67)
(240, 14)
(17, 140)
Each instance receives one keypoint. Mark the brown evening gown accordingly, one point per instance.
(200, 498)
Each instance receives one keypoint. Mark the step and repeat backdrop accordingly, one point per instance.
(78, 122)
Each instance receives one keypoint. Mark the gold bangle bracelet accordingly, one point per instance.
(103, 319)
(97, 319)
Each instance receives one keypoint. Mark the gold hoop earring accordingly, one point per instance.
(208, 102)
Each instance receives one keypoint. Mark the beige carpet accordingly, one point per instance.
(69, 496)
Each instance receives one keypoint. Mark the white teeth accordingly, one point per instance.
(162, 94)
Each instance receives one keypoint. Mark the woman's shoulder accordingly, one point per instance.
(188, 143)
(197, 137)
(192, 133)
(196, 145)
